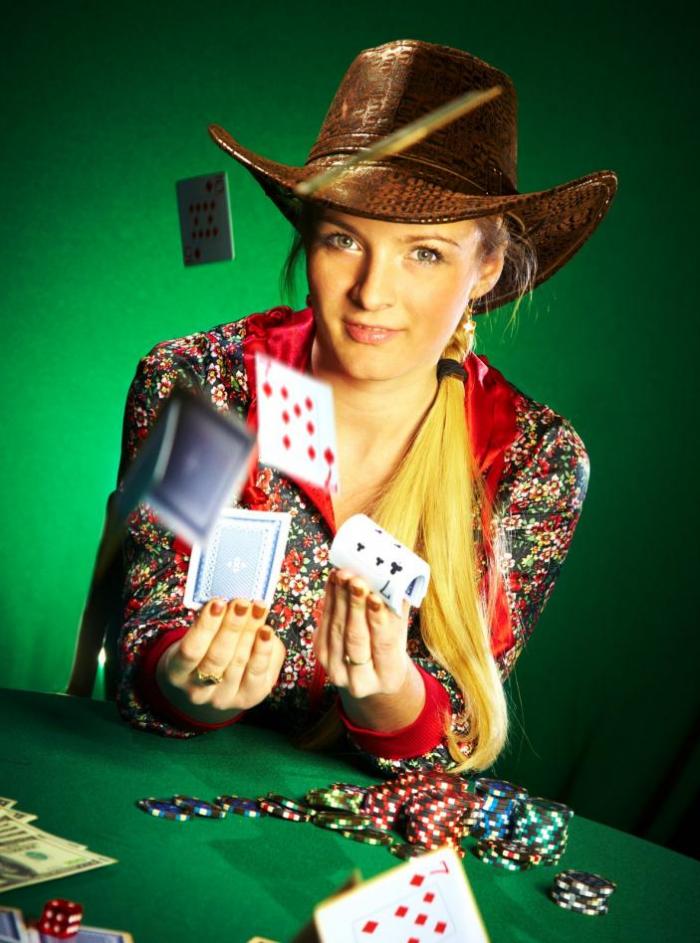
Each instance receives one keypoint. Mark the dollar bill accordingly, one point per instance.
(29, 855)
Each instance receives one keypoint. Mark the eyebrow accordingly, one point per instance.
(406, 239)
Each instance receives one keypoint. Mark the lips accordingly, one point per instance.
(370, 334)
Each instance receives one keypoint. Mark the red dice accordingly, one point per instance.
(60, 919)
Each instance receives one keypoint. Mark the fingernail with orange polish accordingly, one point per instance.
(240, 608)
(217, 607)
(373, 604)
(258, 610)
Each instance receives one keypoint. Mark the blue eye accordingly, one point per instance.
(333, 239)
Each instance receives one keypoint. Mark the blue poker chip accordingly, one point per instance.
(164, 809)
(201, 807)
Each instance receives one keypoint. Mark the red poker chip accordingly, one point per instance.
(282, 812)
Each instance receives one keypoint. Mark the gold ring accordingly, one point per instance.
(201, 678)
(348, 661)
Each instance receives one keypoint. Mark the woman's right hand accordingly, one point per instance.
(229, 641)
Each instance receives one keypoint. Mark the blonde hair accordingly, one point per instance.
(433, 504)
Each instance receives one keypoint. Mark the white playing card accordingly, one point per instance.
(296, 423)
(390, 568)
(242, 558)
(205, 219)
(425, 900)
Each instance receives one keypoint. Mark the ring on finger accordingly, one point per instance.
(203, 678)
(348, 661)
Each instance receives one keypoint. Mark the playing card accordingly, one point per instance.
(390, 568)
(425, 900)
(205, 219)
(12, 928)
(193, 463)
(242, 558)
(296, 423)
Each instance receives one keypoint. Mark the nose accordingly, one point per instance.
(375, 286)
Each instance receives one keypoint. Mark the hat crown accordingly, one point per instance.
(389, 86)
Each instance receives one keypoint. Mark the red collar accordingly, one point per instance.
(287, 336)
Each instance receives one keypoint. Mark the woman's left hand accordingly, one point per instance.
(360, 642)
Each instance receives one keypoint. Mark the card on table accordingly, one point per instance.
(194, 461)
(296, 423)
(425, 900)
(242, 557)
(390, 568)
(12, 928)
(205, 219)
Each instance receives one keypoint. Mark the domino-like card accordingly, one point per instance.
(205, 219)
(242, 558)
(390, 568)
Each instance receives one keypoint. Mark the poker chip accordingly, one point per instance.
(200, 807)
(239, 805)
(280, 811)
(286, 803)
(164, 809)
(591, 910)
(407, 851)
(339, 821)
(585, 882)
(335, 798)
(368, 836)
(500, 788)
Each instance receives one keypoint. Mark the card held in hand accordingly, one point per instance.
(242, 558)
(296, 423)
(426, 900)
(390, 568)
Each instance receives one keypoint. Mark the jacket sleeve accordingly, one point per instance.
(155, 560)
(536, 511)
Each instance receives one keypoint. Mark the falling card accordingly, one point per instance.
(205, 219)
(193, 462)
(296, 423)
(425, 900)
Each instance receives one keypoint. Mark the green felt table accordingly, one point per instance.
(80, 768)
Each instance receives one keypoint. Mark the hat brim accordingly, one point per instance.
(556, 221)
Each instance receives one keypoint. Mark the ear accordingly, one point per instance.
(491, 269)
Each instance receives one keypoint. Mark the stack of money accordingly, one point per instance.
(29, 855)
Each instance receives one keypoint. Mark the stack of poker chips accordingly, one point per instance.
(430, 808)
(499, 807)
(582, 891)
(542, 826)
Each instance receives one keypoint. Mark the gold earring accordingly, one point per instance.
(470, 324)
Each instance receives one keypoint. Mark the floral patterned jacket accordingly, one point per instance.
(535, 468)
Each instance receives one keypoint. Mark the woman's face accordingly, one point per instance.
(387, 297)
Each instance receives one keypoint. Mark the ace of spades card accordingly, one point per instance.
(296, 423)
(426, 900)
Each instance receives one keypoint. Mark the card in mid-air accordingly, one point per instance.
(296, 423)
(194, 461)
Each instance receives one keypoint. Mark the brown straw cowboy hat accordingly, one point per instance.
(463, 170)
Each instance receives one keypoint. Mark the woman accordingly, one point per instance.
(434, 444)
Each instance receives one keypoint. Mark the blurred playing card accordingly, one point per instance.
(194, 461)
(390, 568)
(426, 899)
(12, 928)
(205, 219)
(242, 558)
(296, 423)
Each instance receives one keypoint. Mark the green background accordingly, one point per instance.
(106, 106)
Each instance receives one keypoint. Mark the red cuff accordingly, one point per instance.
(423, 735)
(152, 694)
